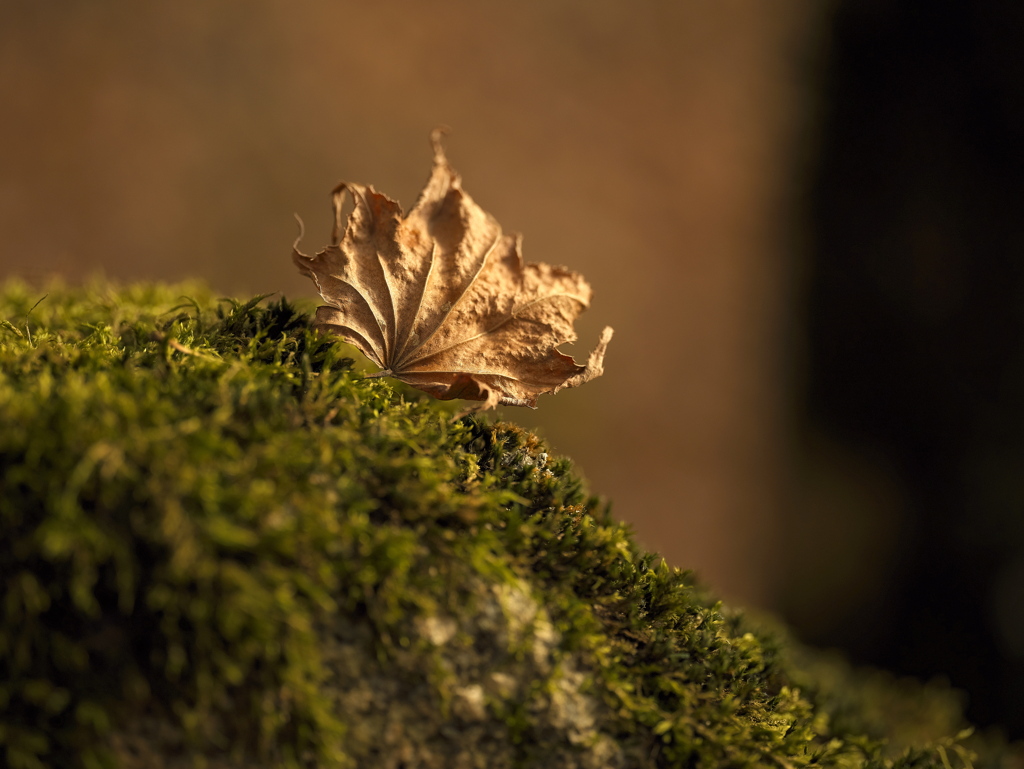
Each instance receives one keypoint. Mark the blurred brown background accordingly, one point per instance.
(750, 187)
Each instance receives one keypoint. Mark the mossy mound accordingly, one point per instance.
(222, 547)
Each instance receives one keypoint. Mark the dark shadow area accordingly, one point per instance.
(913, 466)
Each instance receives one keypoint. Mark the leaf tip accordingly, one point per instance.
(595, 363)
(301, 235)
(437, 141)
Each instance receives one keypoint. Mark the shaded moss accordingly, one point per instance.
(222, 546)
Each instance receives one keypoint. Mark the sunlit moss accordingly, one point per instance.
(222, 547)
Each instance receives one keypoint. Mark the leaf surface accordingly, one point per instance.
(441, 298)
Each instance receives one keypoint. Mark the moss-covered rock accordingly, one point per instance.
(222, 547)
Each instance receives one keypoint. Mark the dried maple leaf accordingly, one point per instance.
(441, 299)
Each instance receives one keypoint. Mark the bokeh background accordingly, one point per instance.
(804, 219)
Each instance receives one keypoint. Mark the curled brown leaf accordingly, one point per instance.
(441, 298)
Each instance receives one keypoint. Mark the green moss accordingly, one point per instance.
(221, 546)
